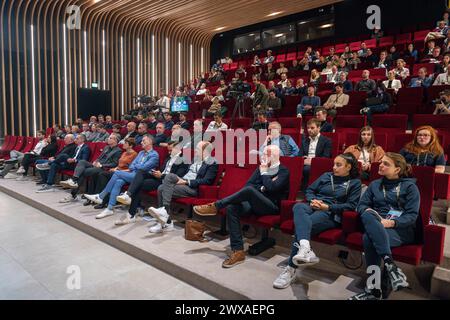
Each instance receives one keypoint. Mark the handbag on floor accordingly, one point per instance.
(195, 230)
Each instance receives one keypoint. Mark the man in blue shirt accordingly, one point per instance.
(146, 160)
(308, 103)
(421, 80)
(287, 145)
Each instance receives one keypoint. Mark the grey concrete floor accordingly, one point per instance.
(38, 256)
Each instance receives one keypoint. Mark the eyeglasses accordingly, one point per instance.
(424, 135)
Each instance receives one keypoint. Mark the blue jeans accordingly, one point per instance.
(380, 108)
(115, 184)
(378, 240)
(309, 223)
(303, 112)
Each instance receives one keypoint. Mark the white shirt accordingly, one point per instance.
(39, 146)
(213, 126)
(201, 91)
(364, 157)
(78, 150)
(193, 170)
(164, 103)
(396, 84)
(313, 146)
(170, 163)
(443, 78)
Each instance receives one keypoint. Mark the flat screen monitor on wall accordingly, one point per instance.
(93, 102)
(179, 104)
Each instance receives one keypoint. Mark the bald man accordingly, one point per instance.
(261, 195)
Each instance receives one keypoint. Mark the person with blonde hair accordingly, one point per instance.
(401, 70)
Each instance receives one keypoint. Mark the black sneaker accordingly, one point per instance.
(367, 294)
(87, 203)
(100, 206)
(396, 277)
(386, 286)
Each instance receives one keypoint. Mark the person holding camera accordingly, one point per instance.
(443, 103)
(260, 97)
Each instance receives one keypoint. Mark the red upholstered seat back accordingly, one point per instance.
(318, 167)
(295, 166)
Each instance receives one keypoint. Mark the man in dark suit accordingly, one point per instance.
(66, 161)
(321, 115)
(109, 158)
(202, 172)
(151, 121)
(314, 145)
(160, 137)
(262, 195)
(131, 132)
(183, 122)
(261, 95)
(149, 181)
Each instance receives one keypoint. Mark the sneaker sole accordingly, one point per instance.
(162, 231)
(101, 217)
(285, 286)
(121, 201)
(204, 214)
(299, 262)
(93, 200)
(156, 216)
(227, 266)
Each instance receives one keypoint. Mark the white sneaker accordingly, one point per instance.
(124, 198)
(43, 166)
(21, 170)
(45, 188)
(304, 255)
(159, 228)
(285, 279)
(68, 199)
(94, 198)
(23, 178)
(105, 213)
(159, 213)
(10, 175)
(69, 183)
(126, 220)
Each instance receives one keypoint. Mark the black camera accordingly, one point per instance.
(239, 87)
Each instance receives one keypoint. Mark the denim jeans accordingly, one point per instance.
(115, 184)
(309, 223)
(245, 202)
(43, 173)
(378, 240)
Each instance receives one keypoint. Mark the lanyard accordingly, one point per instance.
(337, 97)
(397, 193)
(334, 191)
(424, 161)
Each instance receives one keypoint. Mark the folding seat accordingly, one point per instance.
(439, 122)
(370, 43)
(280, 58)
(390, 123)
(243, 123)
(398, 141)
(8, 144)
(96, 149)
(355, 46)
(340, 48)
(48, 132)
(419, 36)
(354, 74)
(429, 244)
(386, 42)
(30, 142)
(378, 74)
(335, 139)
(347, 123)
(18, 145)
(163, 153)
(404, 38)
(410, 95)
(226, 67)
(291, 122)
(407, 108)
(295, 166)
(291, 56)
(326, 50)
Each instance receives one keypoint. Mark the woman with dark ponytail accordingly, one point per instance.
(326, 199)
(389, 210)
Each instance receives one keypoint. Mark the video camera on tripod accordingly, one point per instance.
(238, 89)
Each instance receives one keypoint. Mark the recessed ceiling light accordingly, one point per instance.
(279, 35)
(251, 34)
(219, 28)
(274, 13)
(326, 25)
(302, 22)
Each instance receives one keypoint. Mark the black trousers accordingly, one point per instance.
(143, 181)
(28, 159)
(82, 171)
(245, 202)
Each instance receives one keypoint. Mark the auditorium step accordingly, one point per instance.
(199, 264)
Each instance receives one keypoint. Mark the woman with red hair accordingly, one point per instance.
(425, 149)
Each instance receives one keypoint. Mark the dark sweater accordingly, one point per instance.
(276, 186)
(408, 201)
(345, 196)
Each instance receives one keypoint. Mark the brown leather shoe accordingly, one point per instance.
(209, 209)
(236, 258)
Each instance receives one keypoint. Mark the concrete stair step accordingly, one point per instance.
(440, 283)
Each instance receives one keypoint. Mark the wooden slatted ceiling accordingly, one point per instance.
(185, 23)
